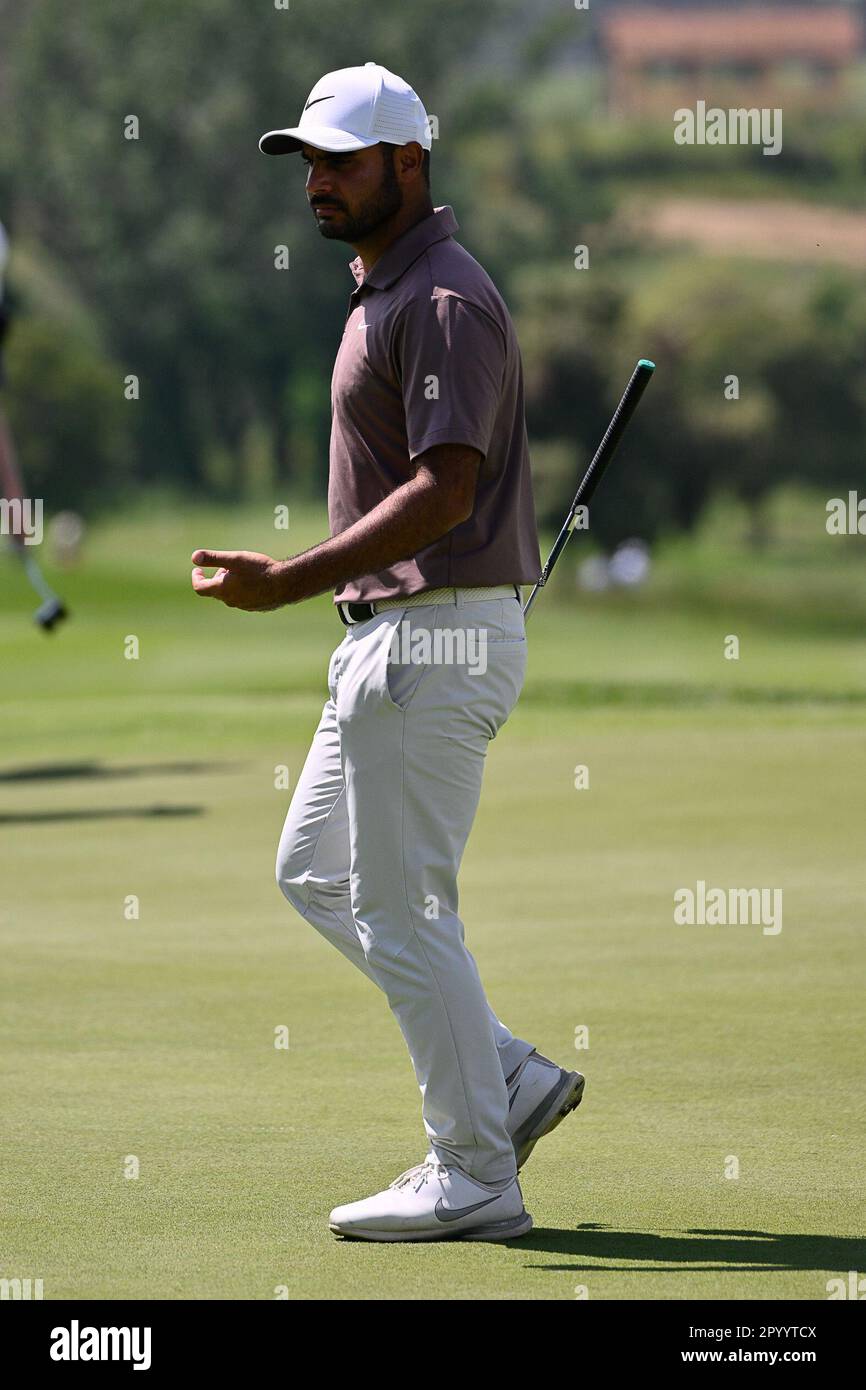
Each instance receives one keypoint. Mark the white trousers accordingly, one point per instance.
(375, 833)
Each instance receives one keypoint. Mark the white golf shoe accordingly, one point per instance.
(435, 1202)
(540, 1094)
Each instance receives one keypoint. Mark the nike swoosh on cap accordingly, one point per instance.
(313, 103)
(444, 1213)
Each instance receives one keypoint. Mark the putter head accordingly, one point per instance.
(49, 614)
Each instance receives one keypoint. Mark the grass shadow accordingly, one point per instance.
(63, 772)
(108, 813)
(693, 1249)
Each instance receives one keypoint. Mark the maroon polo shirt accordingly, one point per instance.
(429, 356)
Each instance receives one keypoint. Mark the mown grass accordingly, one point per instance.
(153, 1037)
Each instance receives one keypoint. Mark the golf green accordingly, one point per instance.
(160, 1144)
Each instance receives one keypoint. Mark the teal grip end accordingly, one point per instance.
(645, 362)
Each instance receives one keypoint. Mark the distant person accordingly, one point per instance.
(52, 609)
(11, 487)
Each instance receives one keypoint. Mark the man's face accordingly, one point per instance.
(351, 194)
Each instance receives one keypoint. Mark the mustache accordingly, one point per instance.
(325, 203)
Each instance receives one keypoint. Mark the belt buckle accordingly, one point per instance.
(349, 619)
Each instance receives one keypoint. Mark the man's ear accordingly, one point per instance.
(410, 161)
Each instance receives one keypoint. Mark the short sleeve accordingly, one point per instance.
(450, 357)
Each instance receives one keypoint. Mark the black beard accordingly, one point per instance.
(385, 202)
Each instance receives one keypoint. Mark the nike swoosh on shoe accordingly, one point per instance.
(444, 1213)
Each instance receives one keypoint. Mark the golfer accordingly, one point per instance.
(432, 533)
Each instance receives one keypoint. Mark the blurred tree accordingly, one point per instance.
(69, 418)
(157, 253)
(171, 236)
(796, 411)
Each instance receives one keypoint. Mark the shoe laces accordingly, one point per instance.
(420, 1173)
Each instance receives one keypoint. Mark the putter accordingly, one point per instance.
(593, 475)
(52, 610)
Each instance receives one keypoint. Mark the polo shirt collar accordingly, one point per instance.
(407, 248)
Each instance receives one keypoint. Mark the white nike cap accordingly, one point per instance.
(352, 109)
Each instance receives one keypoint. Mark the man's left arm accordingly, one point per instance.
(439, 496)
